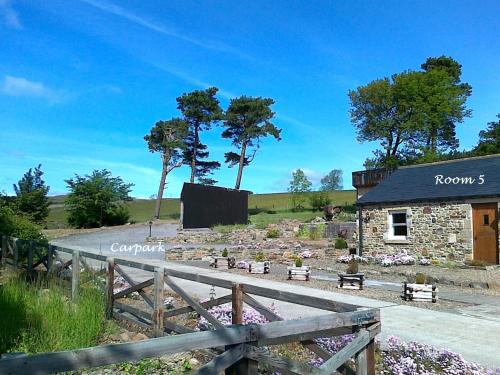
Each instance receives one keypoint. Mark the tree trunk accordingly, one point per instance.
(193, 156)
(241, 165)
(161, 188)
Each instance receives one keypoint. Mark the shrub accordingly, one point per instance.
(225, 253)
(352, 266)
(340, 243)
(298, 262)
(420, 278)
(259, 257)
(96, 200)
(319, 200)
(273, 233)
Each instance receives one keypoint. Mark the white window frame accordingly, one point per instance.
(391, 225)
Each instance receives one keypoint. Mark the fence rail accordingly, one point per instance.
(245, 345)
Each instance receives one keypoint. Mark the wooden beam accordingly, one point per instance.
(222, 361)
(264, 355)
(133, 288)
(194, 304)
(301, 299)
(75, 275)
(244, 365)
(355, 346)
(123, 352)
(110, 282)
(158, 302)
(129, 280)
(207, 304)
(237, 304)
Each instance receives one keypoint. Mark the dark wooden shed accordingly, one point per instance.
(203, 206)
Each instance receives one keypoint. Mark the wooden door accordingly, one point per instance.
(485, 229)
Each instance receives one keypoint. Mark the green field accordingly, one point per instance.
(264, 208)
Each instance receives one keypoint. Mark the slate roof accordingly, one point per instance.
(418, 183)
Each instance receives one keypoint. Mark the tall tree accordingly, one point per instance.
(200, 110)
(412, 114)
(31, 195)
(449, 104)
(489, 139)
(167, 138)
(247, 121)
(332, 181)
(299, 185)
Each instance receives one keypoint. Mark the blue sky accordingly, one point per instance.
(82, 82)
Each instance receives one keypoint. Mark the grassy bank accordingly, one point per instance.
(141, 210)
(39, 318)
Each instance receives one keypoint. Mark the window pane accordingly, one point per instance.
(400, 230)
(486, 220)
(399, 218)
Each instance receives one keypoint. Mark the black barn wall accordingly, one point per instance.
(205, 206)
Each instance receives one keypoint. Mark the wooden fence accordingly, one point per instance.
(236, 349)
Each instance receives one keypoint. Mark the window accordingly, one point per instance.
(486, 220)
(398, 225)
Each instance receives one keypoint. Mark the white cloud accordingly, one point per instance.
(22, 87)
(9, 16)
(125, 14)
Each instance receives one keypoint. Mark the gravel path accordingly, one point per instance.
(278, 273)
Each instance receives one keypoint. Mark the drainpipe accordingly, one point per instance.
(360, 230)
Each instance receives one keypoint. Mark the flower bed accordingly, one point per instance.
(419, 359)
(223, 313)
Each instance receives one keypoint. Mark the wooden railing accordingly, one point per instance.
(369, 178)
(244, 346)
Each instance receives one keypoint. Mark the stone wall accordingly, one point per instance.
(438, 229)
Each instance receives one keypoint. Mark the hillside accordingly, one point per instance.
(264, 208)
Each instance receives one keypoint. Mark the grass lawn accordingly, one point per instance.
(141, 210)
(37, 317)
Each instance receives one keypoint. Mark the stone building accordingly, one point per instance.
(446, 210)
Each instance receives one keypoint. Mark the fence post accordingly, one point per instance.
(370, 358)
(29, 268)
(50, 260)
(110, 281)
(15, 251)
(75, 279)
(244, 366)
(158, 301)
(4, 250)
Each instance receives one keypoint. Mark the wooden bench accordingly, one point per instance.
(259, 267)
(419, 292)
(299, 273)
(353, 280)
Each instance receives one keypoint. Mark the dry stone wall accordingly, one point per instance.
(439, 230)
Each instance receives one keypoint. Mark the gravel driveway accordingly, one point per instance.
(129, 241)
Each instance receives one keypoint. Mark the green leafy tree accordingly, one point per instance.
(14, 224)
(97, 199)
(31, 195)
(167, 138)
(299, 185)
(247, 121)
(489, 139)
(332, 181)
(413, 114)
(319, 200)
(200, 110)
